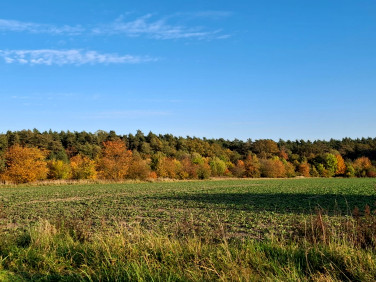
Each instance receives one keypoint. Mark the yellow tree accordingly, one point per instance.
(114, 161)
(341, 166)
(58, 169)
(24, 164)
(82, 167)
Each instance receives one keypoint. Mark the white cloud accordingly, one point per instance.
(157, 29)
(147, 26)
(18, 26)
(68, 57)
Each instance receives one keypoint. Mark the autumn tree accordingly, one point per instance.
(252, 166)
(82, 167)
(289, 168)
(265, 148)
(341, 166)
(189, 169)
(24, 164)
(158, 164)
(238, 170)
(57, 169)
(361, 166)
(203, 171)
(139, 168)
(272, 168)
(304, 169)
(114, 161)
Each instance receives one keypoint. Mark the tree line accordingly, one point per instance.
(30, 155)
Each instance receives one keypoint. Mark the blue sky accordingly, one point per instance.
(231, 69)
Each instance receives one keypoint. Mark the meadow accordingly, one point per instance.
(243, 229)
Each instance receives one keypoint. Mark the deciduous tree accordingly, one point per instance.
(24, 164)
(114, 161)
(341, 166)
(82, 167)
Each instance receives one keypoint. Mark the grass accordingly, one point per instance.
(247, 230)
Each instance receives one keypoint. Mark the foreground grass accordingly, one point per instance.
(48, 253)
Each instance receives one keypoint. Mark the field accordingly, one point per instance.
(299, 229)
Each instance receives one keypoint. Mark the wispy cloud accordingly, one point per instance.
(155, 28)
(18, 26)
(68, 57)
(148, 26)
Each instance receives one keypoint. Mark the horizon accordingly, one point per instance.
(240, 70)
(190, 136)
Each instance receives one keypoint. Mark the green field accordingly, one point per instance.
(248, 207)
(268, 217)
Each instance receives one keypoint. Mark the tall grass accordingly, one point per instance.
(319, 250)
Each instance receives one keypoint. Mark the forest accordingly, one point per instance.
(31, 155)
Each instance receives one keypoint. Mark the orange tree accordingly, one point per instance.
(24, 164)
(341, 166)
(114, 161)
